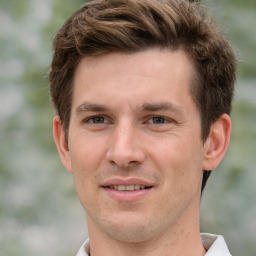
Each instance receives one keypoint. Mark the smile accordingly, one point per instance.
(128, 187)
(127, 190)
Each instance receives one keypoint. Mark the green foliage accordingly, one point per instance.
(236, 19)
(17, 9)
(249, 4)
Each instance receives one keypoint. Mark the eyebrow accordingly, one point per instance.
(93, 107)
(162, 106)
(147, 107)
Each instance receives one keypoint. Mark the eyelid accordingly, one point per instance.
(167, 120)
(87, 119)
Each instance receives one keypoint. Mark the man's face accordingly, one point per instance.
(134, 143)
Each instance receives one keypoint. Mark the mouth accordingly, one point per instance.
(127, 190)
(128, 187)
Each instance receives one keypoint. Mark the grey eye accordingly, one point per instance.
(97, 120)
(158, 120)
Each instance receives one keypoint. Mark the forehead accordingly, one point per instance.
(144, 62)
(138, 76)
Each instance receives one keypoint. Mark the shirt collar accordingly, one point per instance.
(215, 244)
(84, 249)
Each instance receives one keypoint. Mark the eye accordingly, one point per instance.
(97, 120)
(158, 120)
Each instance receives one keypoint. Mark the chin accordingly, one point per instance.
(131, 234)
(130, 229)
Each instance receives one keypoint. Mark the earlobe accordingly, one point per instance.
(217, 142)
(60, 141)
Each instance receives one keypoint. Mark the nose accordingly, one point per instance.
(125, 148)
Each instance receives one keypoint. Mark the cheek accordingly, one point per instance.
(170, 153)
(84, 179)
(86, 151)
(85, 165)
(180, 162)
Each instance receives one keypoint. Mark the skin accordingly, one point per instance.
(133, 117)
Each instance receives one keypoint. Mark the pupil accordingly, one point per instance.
(98, 119)
(158, 120)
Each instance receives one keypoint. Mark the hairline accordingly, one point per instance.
(194, 82)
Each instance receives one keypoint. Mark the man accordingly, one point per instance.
(143, 93)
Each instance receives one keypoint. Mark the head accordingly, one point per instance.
(142, 91)
(125, 26)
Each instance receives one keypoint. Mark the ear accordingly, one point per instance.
(217, 142)
(60, 141)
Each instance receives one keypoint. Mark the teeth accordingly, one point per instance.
(130, 187)
(121, 187)
(137, 186)
(127, 188)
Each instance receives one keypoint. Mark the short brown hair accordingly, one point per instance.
(128, 26)
(105, 26)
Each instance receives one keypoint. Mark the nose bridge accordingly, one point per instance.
(123, 134)
(124, 147)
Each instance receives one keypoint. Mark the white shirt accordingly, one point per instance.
(215, 245)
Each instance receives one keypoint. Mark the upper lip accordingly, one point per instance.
(127, 182)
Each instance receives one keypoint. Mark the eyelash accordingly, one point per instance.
(165, 120)
(90, 119)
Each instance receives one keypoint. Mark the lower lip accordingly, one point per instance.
(127, 196)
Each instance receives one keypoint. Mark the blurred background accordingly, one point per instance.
(39, 211)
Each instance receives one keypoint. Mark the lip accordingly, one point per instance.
(127, 196)
(127, 182)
